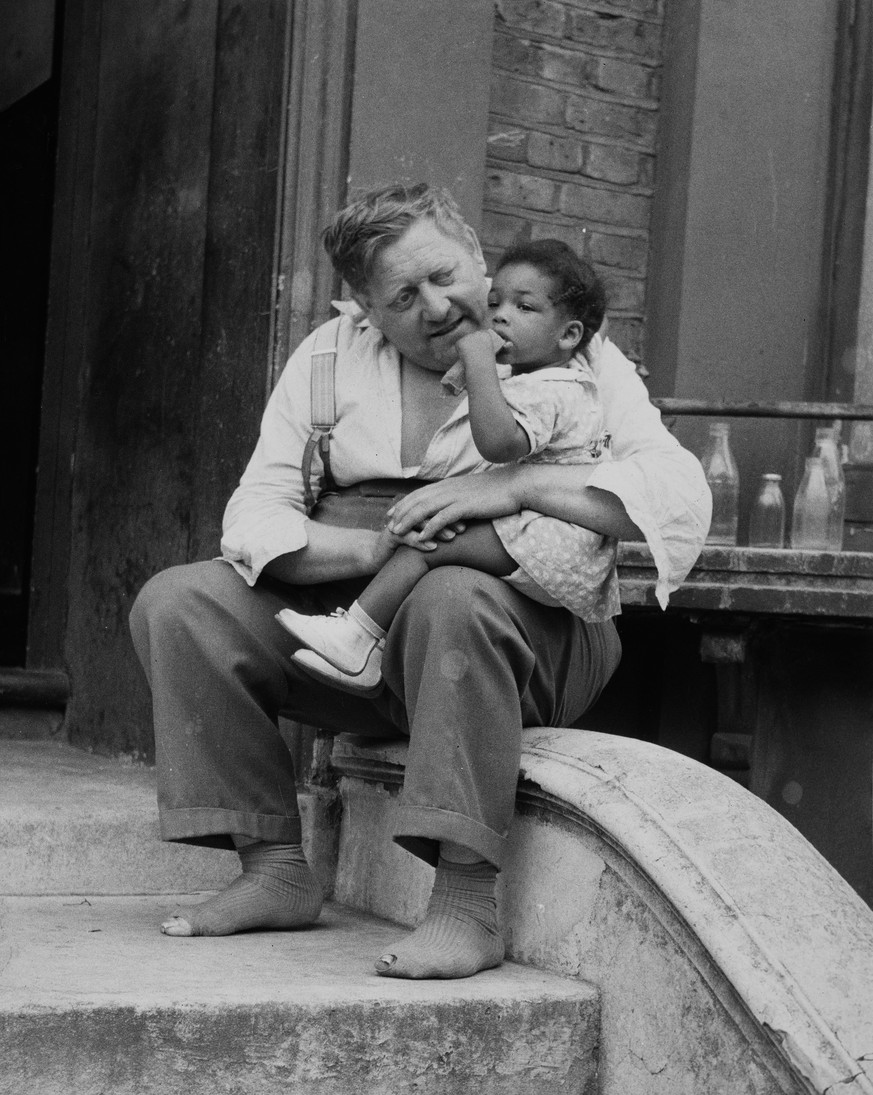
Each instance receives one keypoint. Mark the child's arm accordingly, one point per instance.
(497, 435)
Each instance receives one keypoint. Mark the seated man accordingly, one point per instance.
(468, 661)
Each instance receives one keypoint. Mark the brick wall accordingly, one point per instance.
(571, 146)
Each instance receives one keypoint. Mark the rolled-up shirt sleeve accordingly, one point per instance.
(265, 517)
(661, 484)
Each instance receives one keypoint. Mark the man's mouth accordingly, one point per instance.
(447, 328)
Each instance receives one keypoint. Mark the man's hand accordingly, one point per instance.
(441, 505)
(388, 542)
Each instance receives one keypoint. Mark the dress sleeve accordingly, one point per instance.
(548, 411)
(660, 483)
(535, 407)
(265, 516)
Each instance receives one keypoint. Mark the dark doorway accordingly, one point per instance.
(28, 131)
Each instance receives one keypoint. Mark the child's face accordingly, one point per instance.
(522, 313)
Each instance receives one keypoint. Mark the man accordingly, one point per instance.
(468, 661)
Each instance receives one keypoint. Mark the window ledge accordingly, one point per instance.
(758, 580)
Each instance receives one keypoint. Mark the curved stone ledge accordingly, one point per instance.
(787, 933)
(730, 956)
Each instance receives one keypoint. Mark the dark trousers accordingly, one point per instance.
(468, 662)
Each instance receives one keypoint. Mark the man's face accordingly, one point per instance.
(427, 291)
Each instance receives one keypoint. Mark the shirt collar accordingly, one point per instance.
(353, 310)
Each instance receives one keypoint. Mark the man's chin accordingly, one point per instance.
(433, 363)
(444, 351)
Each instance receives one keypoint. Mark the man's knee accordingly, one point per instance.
(170, 594)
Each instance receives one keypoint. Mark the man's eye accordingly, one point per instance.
(403, 300)
(444, 277)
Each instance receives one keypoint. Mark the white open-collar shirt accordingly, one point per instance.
(660, 484)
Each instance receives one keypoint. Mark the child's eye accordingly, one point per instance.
(492, 302)
(525, 308)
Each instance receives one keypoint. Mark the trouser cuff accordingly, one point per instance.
(211, 827)
(419, 829)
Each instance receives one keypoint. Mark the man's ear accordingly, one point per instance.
(363, 302)
(572, 336)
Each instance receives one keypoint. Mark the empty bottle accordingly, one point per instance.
(812, 505)
(767, 521)
(826, 448)
(721, 473)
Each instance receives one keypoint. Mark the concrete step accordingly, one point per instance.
(94, 1000)
(73, 822)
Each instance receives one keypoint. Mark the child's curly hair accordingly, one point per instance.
(576, 285)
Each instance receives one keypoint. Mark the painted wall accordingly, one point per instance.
(420, 98)
(742, 206)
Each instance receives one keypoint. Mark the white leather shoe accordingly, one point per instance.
(338, 638)
(366, 683)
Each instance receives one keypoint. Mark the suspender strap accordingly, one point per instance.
(322, 407)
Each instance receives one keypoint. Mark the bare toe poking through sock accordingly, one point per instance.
(177, 925)
(275, 892)
(459, 935)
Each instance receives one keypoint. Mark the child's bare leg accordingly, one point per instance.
(478, 547)
(346, 649)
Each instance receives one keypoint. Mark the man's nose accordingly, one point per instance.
(435, 302)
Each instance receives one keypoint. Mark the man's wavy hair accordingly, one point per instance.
(370, 223)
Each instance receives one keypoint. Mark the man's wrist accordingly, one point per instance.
(520, 486)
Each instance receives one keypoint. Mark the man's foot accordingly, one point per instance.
(342, 639)
(276, 891)
(459, 935)
(366, 683)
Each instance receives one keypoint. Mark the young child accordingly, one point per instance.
(545, 305)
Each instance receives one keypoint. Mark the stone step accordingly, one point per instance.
(94, 1000)
(73, 822)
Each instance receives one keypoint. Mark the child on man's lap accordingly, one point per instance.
(545, 304)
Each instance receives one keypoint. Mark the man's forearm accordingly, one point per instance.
(330, 555)
(561, 491)
(555, 490)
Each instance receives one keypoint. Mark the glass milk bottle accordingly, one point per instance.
(724, 482)
(767, 521)
(812, 505)
(826, 448)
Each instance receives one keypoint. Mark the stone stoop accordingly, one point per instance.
(74, 822)
(95, 1001)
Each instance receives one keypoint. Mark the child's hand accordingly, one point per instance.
(479, 346)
